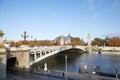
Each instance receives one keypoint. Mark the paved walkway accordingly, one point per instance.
(53, 75)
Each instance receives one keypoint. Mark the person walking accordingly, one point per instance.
(63, 74)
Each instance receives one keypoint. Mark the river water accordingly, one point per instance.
(76, 60)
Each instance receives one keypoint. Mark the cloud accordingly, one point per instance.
(91, 7)
(116, 4)
(95, 15)
(91, 4)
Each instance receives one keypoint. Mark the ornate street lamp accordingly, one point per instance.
(25, 36)
(65, 67)
(35, 42)
(116, 73)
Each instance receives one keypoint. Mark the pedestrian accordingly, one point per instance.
(23, 70)
(63, 74)
(79, 70)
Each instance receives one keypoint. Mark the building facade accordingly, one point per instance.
(64, 40)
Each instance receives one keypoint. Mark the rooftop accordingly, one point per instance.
(69, 37)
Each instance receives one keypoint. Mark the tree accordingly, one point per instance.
(49, 43)
(39, 43)
(12, 44)
(19, 43)
(31, 43)
(77, 41)
(57, 43)
(98, 42)
(114, 41)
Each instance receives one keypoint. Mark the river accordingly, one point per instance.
(76, 60)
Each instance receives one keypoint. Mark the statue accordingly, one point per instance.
(45, 68)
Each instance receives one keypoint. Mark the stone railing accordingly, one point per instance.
(21, 48)
(2, 50)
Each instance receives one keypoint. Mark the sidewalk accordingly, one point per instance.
(53, 75)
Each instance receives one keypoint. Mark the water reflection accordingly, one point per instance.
(106, 62)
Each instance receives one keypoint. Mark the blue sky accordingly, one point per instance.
(47, 19)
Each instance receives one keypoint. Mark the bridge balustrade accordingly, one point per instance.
(44, 52)
(38, 54)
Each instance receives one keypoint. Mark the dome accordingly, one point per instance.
(1, 32)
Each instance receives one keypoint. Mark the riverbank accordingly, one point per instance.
(52, 75)
(105, 52)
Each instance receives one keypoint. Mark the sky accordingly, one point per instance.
(48, 19)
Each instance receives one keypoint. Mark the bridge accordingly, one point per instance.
(40, 53)
(26, 56)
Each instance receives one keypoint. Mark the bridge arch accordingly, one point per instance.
(41, 53)
(11, 63)
(73, 50)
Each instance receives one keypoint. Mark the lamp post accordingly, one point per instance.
(35, 42)
(65, 67)
(116, 65)
(25, 36)
(116, 73)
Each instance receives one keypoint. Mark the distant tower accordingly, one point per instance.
(106, 41)
(69, 34)
(1, 37)
(61, 40)
(89, 43)
(69, 40)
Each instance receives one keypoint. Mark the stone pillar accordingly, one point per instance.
(35, 57)
(23, 60)
(45, 51)
(1, 37)
(41, 54)
(22, 56)
(2, 59)
(89, 43)
(61, 40)
(3, 66)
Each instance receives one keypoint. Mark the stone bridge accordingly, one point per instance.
(26, 56)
